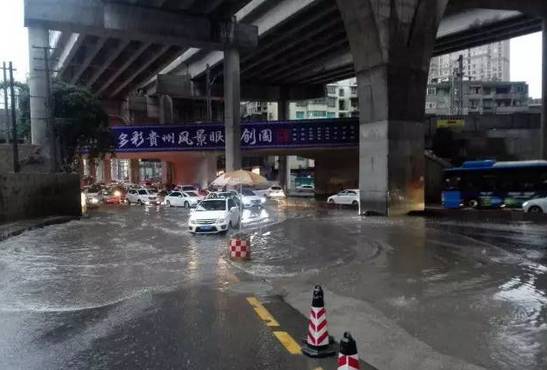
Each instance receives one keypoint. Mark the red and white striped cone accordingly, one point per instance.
(239, 249)
(347, 357)
(318, 343)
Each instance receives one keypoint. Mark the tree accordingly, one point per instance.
(81, 124)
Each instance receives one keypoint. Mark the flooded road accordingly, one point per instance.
(415, 292)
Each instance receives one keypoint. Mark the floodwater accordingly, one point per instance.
(472, 291)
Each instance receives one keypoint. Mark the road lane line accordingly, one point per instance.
(262, 312)
(288, 342)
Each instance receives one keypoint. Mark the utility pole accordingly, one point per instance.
(13, 121)
(5, 88)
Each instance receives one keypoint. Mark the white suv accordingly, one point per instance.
(214, 216)
(142, 196)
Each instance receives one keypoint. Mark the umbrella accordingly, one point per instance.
(239, 178)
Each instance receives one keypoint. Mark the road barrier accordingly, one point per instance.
(347, 357)
(239, 247)
(318, 342)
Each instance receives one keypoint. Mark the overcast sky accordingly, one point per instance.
(525, 50)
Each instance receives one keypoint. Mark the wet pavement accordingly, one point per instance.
(131, 288)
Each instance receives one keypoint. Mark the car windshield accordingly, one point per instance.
(188, 188)
(276, 188)
(142, 192)
(191, 193)
(248, 192)
(212, 205)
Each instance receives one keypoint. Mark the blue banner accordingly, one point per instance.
(255, 135)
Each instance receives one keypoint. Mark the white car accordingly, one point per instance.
(214, 216)
(250, 199)
(186, 188)
(142, 196)
(538, 205)
(182, 199)
(348, 197)
(275, 191)
(305, 188)
(94, 196)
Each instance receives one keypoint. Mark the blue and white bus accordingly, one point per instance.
(491, 184)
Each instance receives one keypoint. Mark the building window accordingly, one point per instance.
(331, 90)
(354, 90)
(342, 115)
(318, 113)
(331, 115)
(302, 103)
(341, 93)
(318, 101)
(300, 115)
(342, 105)
(331, 102)
(431, 91)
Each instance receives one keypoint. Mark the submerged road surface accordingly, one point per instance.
(131, 288)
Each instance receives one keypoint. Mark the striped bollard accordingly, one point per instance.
(347, 357)
(318, 343)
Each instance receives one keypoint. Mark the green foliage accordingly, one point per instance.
(80, 121)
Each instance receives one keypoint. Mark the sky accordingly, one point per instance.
(525, 50)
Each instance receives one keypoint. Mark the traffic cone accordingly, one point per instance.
(318, 342)
(347, 357)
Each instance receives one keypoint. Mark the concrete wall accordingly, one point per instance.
(30, 195)
(30, 158)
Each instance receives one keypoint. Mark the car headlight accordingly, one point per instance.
(221, 220)
(94, 200)
(262, 200)
(117, 193)
(525, 204)
(192, 222)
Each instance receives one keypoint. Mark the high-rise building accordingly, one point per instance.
(483, 63)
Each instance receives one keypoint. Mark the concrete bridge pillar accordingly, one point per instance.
(134, 171)
(391, 43)
(232, 115)
(544, 93)
(166, 109)
(283, 171)
(38, 39)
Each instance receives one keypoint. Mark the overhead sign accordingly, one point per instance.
(256, 135)
(450, 123)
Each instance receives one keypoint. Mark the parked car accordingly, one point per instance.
(537, 205)
(225, 195)
(275, 191)
(305, 189)
(214, 216)
(182, 199)
(113, 195)
(94, 195)
(250, 199)
(186, 188)
(348, 197)
(142, 196)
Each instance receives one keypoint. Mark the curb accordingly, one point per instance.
(19, 229)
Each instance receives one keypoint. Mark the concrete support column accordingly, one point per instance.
(544, 94)
(134, 171)
(284, 169)
(92, 170)
(391, 47)
(107, 171)
(166, 109)
(232, 109)
(38, 39)
(166, 172)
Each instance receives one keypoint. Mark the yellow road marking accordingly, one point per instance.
(288, 342)
(262, 312)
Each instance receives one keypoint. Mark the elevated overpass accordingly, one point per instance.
(280, 50)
